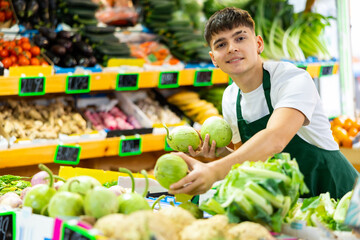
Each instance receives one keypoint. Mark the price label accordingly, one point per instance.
(203, 78)
(326, 70)
(31, 86)
(169, 79)
(167, 147)
(77, 84)
(70, 232)
(7, 226)
(127, 81)
(130, 146)
(65, 154)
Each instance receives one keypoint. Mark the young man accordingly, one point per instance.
(272, 107)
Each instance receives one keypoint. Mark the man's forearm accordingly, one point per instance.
(261, 146)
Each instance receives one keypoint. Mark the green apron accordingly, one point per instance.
(324, 170)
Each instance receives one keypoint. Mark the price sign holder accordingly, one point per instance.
(127, 82)
(70, 232)
(203, 78)
(31, 86)
(67, 154)
(130, 146)
(167, 147)
(169, 79)
(77, 84)
(326, 70)
(8, 226)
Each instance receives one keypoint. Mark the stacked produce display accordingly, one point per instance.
(87, 40)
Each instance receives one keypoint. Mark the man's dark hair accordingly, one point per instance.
(227, 19)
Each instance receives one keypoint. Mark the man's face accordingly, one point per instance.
(235, 51)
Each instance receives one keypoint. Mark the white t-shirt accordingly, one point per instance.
(291, 87)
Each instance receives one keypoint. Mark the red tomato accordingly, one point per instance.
(35, 61)
(35, 51)
(6, 62)
(8, 14)
(26, 46)
(13, 59)
(4, 53)
(23, 61)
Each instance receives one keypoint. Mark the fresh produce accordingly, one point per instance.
(77, 13)
(193, 209)
(213, 95)
(100, 201)
(20, 52)
(80, 184)
(66, 204)
(195, 108)
(115, 119)
(176, 22)
(11, 199)
(38, 197)
(33, 13)
(181, 137)
(169, 169)
(144, 224)
(41, 177)
(11, 183)
(65, 48)
(259, 191)
(131, 201)
(323, 209)
(7, 18)
(203, 229)
(117, 189)
(30, 120)
(218, 129)
(156, 111)
(179, 217)
(344, 130)
(249, 231)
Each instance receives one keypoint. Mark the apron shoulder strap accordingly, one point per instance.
(266, 87)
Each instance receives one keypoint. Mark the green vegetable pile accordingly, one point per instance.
(11, 183)
(322, 210)
(261, 192)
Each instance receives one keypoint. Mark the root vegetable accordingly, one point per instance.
(41, 177)
(11, 199)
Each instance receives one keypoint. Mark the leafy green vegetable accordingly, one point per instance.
(259, 191)
(321, 209)
(11, 183)
(110, 183)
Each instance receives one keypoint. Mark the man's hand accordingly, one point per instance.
(199, 180)
(205, 150)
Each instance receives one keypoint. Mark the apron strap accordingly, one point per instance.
(266, 87)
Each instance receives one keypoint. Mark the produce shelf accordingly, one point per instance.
(105, 81)
(89, 149)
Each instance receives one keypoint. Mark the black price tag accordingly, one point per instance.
(326, 70)
(130, 146)
(31, 86)
(203, 78)
(127, 81)
(169, 79)
(70, 232)
(7, 226)
(77, 84)
(65, 154)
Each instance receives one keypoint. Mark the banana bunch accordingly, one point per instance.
(195, 108)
